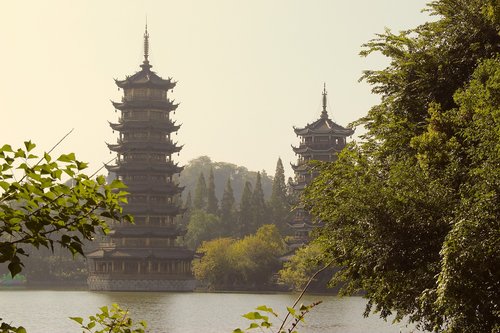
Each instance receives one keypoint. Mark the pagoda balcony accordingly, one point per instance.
(163, 188)
(164, 125)
(141, 208)
(165, 105)
(158, 146)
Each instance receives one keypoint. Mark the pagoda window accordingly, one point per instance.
(140, 93)
(308, 139)
(156, 94)
(154, 220)
(321, 139)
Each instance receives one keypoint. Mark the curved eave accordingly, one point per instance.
(158, 168)
(143, 146)
(332, 131)
(309, 150)
(146, 78)
(165, 124)
(165, 105)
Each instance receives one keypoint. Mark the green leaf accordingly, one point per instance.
(77, 319)
(4, 185)
(253, 315)
(67, 157)
(6, 148)
(238, 330)
(29, 145)
(291, 310)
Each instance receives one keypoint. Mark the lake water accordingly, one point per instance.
(47, 311)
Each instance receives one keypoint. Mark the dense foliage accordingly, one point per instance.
(248, 263)
(38, 210)
(412, 212)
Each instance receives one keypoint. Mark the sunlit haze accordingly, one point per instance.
(247, 71)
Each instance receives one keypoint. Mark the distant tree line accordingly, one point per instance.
(208, 218)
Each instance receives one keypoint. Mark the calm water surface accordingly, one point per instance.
(47, 311)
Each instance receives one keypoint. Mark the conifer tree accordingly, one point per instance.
(279, 206)
(212, 202)
(259, 209)
(227, 213)
(245, 214)
(200, 194)
(188, 206)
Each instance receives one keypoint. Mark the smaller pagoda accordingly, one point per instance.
(321, 140)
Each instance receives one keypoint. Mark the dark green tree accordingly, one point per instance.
(212, 202)
(227, 211)
(410, 213)
(260, 215)
(278, 203)
(245, 215)
(188, 206)
(202, 226)
(200, 193)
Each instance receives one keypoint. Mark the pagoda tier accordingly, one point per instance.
(164, 105)
(163, 146)
(159, 124)
(145, 256)
(321, 141)
(152, 169)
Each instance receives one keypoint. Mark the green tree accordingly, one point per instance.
(200, 193)
(202, 226)
(227, 210)
(278, 203)
(212, 203)
(259, 207)
(409, 212)
(39, 210)
(216, 265)
(245, 212)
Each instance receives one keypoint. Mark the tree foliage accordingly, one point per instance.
(248, 263)
(202, 226)
(411, 212)
(38, 210)
(212, 202)
(279, 206)
(200, 193)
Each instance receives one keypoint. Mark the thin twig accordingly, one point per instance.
(103, 166)
(303, 292)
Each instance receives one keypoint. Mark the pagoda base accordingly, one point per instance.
(139, 283)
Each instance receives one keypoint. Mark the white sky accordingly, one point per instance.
(247, 70)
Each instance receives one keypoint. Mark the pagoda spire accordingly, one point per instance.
(145, 63)
(324, 113)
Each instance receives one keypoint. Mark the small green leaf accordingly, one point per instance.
(29, 145)
(77, 319)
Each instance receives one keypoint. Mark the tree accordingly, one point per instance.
(409, 212)
(278, 203)
(200, 194)
(227, 210)
(248, 263)
(245, 213)
(212, 204)
(259, 208)
(40, 210)
(202, 226)
(216, 265)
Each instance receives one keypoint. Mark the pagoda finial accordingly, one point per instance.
(145, 63)
(324, 113)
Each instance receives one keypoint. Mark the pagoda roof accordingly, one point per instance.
(160, 104)
(146, 231)
(152, 208)
(324, 125)
(157, 187)
(164, 124)
(142, 253)
(146, 78)
(155, 168)
(143, 146)
(309, 150)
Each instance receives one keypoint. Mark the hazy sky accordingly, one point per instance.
(247, 71)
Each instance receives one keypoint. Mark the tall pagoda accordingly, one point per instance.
(145, 256)
(321, 140)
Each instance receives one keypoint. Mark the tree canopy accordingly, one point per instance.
(411, 212)
(39, 210)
